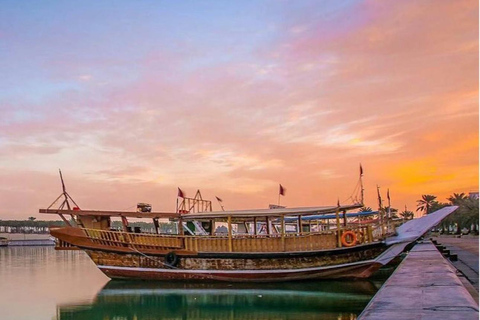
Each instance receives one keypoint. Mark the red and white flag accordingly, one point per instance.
(181, 194)
(282, 190)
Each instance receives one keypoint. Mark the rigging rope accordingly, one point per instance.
(355, 192)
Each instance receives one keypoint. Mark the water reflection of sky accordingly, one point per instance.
(143, 300)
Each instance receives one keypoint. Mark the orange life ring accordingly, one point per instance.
(349, 238)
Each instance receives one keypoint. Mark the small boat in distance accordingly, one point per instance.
(3, 242)
(264, 245)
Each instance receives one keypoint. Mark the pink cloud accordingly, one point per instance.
(397, 86)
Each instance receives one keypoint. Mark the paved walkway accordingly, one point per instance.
(467, 250)
(424, 286)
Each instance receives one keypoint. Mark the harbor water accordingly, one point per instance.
(41, 283)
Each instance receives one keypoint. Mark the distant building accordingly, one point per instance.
(473, 195)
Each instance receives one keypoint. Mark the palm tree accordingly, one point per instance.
(365, 209)
(393, 212)
(457, 198)
(426, 203)
(32, 218)
(406, 214)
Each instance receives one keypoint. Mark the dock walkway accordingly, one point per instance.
(424, 286)
(466, 248)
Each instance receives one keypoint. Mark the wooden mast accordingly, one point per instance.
(65, 202)
(381, 211)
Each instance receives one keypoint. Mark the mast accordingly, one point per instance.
(65, 194)
(66, 202)
(389, 212)
(381, 211)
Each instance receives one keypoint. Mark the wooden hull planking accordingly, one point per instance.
(346, 263)
(355, 270)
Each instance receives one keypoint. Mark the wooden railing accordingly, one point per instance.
(125, 239)
(289, 242)
(273, 243)
(62, 245)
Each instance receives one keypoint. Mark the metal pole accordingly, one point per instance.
(337, 216)
(230, 244)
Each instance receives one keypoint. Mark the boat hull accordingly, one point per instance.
(356, 270)
(358, 262)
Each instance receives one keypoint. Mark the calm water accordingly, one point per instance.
(41, 283)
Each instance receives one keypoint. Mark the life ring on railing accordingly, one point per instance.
(171, 259)
(349, 238)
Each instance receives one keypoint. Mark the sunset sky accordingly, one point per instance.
(132, 99)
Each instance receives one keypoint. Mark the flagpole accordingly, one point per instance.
(220, 202)
(389, 204)
(281, 192)
(389, 213)
(361, 183)
(221, 205)
(337, 218)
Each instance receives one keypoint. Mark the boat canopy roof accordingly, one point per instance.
(268, 212)
(332, 216)
(112, 213)
(208, 215)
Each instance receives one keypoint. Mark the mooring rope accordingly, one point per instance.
(156, 260)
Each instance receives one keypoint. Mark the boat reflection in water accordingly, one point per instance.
(137, 300)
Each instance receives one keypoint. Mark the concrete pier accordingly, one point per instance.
(466, 249)
(19, 239)
(32, 242)
(424, 286)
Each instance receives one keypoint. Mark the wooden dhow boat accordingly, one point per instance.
(265, 245)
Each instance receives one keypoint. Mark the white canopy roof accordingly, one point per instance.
(268, 212)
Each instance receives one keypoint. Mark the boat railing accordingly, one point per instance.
(381, 231)
(124, 239)
(248, 243)
(61, 244)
